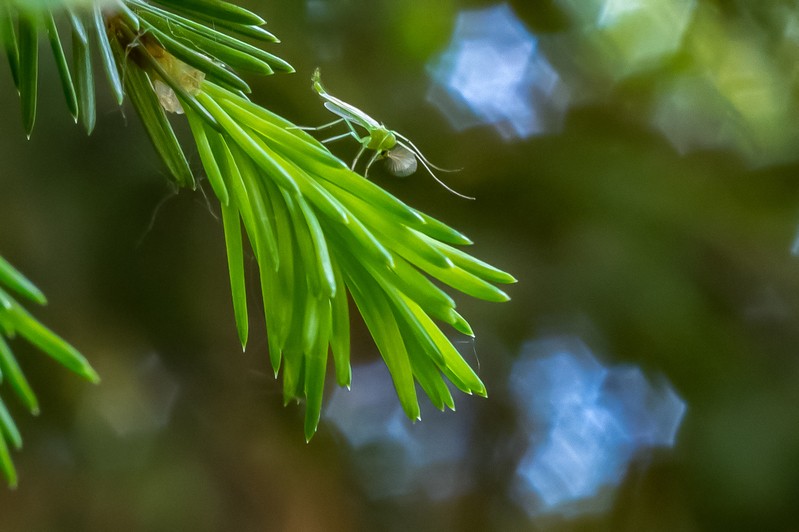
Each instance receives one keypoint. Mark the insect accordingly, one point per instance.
(400, 154)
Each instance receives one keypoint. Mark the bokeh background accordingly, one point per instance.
(635, 167)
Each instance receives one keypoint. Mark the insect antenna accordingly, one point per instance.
(421, 155)
(427, 166)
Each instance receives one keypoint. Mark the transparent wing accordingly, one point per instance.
(401, 161)
(350, 112)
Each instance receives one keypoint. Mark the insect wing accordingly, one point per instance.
(352, 114)
(401, 161)
(343, 113)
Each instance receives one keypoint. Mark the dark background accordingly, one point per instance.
(676, 260)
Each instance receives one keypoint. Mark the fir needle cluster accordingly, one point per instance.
(321, 233)
(16, 321)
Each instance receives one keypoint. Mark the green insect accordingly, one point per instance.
(399, 152)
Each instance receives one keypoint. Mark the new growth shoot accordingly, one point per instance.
(400, 154)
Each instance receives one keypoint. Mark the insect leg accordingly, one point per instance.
(355, 161)
(351, 133)
(354, 133)
(361, 140)
(318, 128)
(337, 137)
(369, 164)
